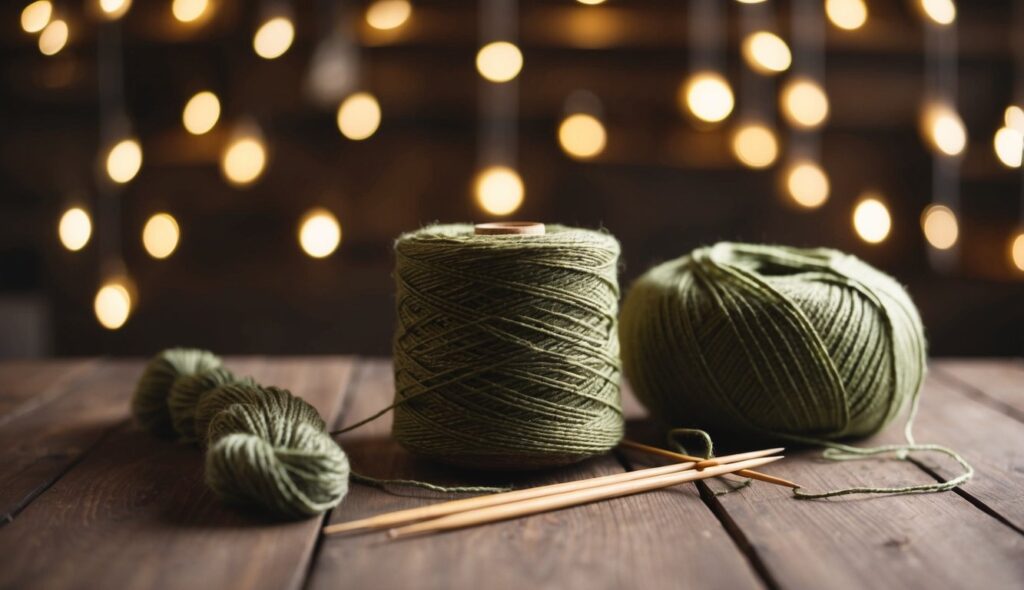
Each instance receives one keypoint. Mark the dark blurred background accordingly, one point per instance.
(238, 280)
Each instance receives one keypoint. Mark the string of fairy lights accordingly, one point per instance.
(777, 76)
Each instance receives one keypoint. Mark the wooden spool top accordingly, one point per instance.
(528, 228)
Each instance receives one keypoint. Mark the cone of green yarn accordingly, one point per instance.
(506, 352)
(772, 341)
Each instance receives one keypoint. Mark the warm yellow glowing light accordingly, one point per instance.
(243, 161)
(113, 304)
(274, 37)
(36, 16)
(499, 190)
(201, 112)
(582, 136)
(188, 11)
(847, 14)
(1014, 118)
(124, 160)
(804, 103)
(359, 116)
(74, 229)
(755, 146)
(943, 12)
(807, 184)
(750, 1)
(591, 2)
(766, 52)
(871, 220)
(1009, 145)
(944, 129)
(499, 61)
(114, 9)
(319, 233)
(940, 226)
(708, 96)
(54, 37)
(1017, 251)
(160, 235)
(386, 15)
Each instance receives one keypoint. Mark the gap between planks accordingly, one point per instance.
(976, 393)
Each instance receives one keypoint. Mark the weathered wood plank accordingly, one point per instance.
(27, 384)
(37, 446)
(917, 541)
(666, 539)
(1001, 381)
(135, 512)
(990, 440)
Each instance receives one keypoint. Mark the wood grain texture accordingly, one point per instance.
(38, 445)
(28, 384)
(990, 440)
(855, 542)
(664, 539)
(134, 513)
(1000, 381)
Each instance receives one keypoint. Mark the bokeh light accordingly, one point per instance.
(755, 145)
(54, 37)
(160, 235)
(1008, 144)
(124, 160)
(766, 52)
(244, 160)
(582, 136)
(708, 96)
(942, 12)
(1014, 118)
(113, 303)
(499, 61)
(940, 226)
(201, 112)
(36, 16)
(188, 11)
(871, 219)
(386, 15)
(114, 9)
(499, 190)
(75, 228)
(807, 184)
(274, 37)
(359, 116)
(1017, 251)
(849, 15)
(319, 233)
(944, 129)
(804, 103)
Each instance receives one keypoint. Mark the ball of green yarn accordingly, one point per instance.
(506, 353)
(149, 403)
(296, 471)
(185, 394)
(776, 341)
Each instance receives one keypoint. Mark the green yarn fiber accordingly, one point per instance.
(150, 403)
(769, 340)
(506, 352)
(265, 447)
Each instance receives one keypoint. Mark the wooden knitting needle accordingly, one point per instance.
(445, 508)
(557, 501)
(680, 457)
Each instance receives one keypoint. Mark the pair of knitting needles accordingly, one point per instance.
(468, 512)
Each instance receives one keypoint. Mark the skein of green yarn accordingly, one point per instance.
(772, 341)
(265, 447)
(149, 403)
(506, 352)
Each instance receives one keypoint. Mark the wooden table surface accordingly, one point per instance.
(87, 500)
